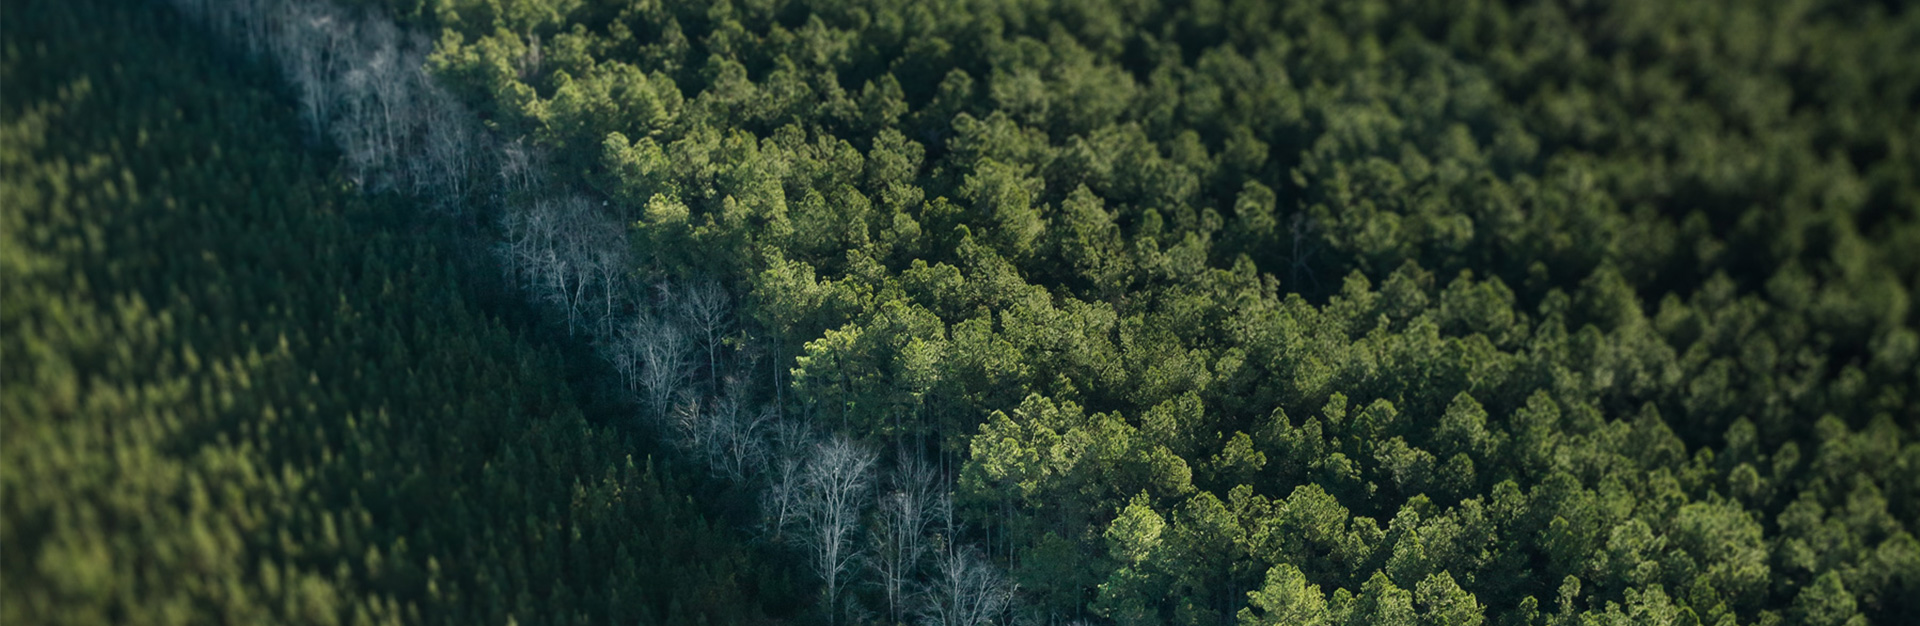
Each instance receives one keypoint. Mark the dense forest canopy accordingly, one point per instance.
(1137, 312)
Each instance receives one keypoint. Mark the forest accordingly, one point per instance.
(960, 312)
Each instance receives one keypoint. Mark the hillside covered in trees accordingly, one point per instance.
(1109, 312)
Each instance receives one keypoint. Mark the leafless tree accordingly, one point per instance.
(708, 309)
(740, 444)
(357, 133)
(611, 263)
(570, 256)
(791, 436)
(449, 149)
(381, 83)
(514, 250)
(519, 167)
(661, 350)
(789, 443)
(551, 279)
(692, 424)
(837, 479)
(623, 353)
(306, 48)
(965, 590)
(780, 501)
(247, 22)
(390, 72)
(907, 515)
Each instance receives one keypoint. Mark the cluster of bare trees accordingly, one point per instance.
(361, 82)
(571, 256)
(920, 566)
(888, 531)
(891, 531)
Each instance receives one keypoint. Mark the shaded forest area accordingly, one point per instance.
(1138, 312)
(236, 391)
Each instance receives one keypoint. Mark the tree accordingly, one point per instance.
(380, 88)
(520, 168)
(451, 150)
(1285, 599)
(708, 312)
(609, 266)
(658, 350)
(780, 500)
(566, 252)
(835, 483)
(309, 50)
(1442, 602)
(741, 442)
(1381, 603)
(965, 590)
(907, 514)
(1003, 196)
(1826, 603)
(784, 496)
(1135, 542)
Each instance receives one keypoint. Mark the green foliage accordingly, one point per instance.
(1285, 598)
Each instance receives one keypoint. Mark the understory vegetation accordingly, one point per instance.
(1134, 312)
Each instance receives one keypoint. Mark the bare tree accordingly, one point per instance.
(597, 244)
(789, 443)
(571, 256)
(907, 514)
(707, 309)
(740, 443)
(692, 426)
(619, 349)
(379, 89)
(531, 235)
(780, 501)
(515, 249)
(247, 21)
(965, 590)
(837, 479)
(661, 348)
(519, 167)
(390, 71)
(610, 263)
(304, 49)
(449, 146)
(357, 133)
